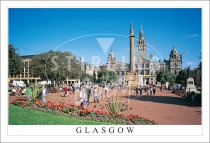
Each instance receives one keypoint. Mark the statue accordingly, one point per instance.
(188, 72)
(150, 57)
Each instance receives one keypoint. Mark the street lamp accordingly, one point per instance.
(181, 58)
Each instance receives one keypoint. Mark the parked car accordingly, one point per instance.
(18, 83)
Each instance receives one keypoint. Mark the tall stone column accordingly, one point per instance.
(131, 48)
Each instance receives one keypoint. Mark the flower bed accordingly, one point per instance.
(83, 113)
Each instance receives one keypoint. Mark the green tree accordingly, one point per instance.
(15, 62)
(87, 77)
(182, 77)
(106, 76)
(166, 76)
(102, 76)
(56, 66)
(160, 77)
(112, 76)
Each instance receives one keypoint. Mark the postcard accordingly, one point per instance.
(122, 70)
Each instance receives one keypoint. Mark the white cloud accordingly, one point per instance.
(190, 36)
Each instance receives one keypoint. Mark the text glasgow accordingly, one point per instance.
(103, 130)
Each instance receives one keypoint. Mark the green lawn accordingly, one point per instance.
(24, 116)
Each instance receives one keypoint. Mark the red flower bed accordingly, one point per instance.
(22, 102)
(39, 103)
(80, 112)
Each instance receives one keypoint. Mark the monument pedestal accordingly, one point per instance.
(190, 85)
(133, 79)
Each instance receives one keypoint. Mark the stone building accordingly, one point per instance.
(111, 62)
(147, 68)
(89, 69)
(120, 68)
(174, 61)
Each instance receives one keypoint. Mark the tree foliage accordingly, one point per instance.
(160, 77)
(166, 76)
(182, 77)
(56, 66)
(15, 62)
(87, 78)
(106, 76)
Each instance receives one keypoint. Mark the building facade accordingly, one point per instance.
(174, 61)
(147, 68)
(120, 68)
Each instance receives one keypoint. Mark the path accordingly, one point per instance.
(165, 107)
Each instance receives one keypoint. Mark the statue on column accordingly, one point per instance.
(151, 57)
(189, 72)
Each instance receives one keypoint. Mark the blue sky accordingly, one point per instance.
(37, 30)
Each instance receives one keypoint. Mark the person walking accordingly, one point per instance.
(154, 90)
(147, 89)
(161, 88)
(150, 90)
(73, 88)
(136, 89)
(44, 94)
(88, 94)
(66, 91)
(106, 91)
(82, 95)
(95, 95)
(140, 90)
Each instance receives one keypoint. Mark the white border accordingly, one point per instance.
(159, 133)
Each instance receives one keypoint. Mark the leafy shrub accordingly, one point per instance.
(35, 92)
(114, 106)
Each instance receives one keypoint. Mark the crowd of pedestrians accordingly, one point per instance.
(150, 90)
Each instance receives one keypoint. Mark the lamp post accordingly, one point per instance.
(181, 58)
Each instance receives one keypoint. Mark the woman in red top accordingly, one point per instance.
(65, 91)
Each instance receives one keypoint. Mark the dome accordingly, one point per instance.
(174, 53)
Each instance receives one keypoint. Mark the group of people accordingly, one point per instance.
(85, 92)
(16, 91)
(67, 88)
(148, 89)
(88, 91)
